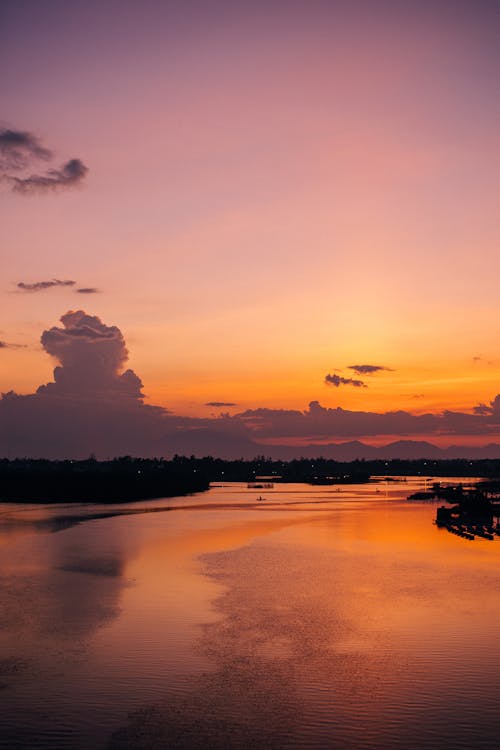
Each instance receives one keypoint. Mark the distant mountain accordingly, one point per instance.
(206, 442)
(400, 449)
(410, 449)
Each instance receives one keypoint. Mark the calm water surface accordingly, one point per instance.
(321, 617)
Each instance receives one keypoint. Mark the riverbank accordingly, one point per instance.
(123, 479)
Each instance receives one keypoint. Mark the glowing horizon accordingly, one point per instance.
(259, 196)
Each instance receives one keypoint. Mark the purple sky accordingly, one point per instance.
(258, 196)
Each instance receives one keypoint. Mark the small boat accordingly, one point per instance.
(261, 498)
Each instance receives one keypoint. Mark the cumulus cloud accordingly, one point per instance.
(19, 147)
(219, 404)
(68, 175)
(20, 150)
(95, 404)
(337, 380)
(91, 356)
(87, 290)
(368, 369)
(40, 286)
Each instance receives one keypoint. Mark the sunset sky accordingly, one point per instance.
(257, 195)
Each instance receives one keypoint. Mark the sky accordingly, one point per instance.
(280, 217)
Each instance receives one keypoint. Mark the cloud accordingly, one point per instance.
(68, 175)
(493, 408)
(91, 356)
(18, 148)
(5, 345)
(218, 404)
(40, 286)
(95, 404)
(337, 380)
(21, 150)
(483, 409)
(320, 423)
(368, 369)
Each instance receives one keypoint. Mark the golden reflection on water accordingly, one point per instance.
(316, 618)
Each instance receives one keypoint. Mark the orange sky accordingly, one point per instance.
(275, 192)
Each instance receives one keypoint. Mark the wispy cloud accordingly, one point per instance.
(368, 369)
(219, 404)
(69, 175)
(20, 150)
(40, 286)
(6, 345)
(19, 147)
(87, 290)
(337, 380)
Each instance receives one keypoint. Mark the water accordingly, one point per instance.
(321, 617)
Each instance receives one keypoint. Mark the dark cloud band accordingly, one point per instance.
(40, 286)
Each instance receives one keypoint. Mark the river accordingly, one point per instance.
(319, 617)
